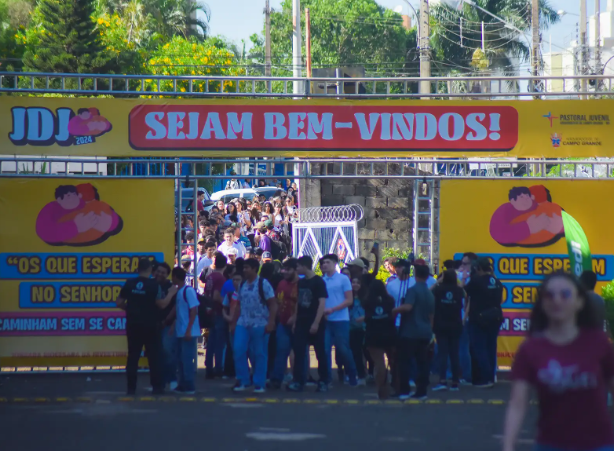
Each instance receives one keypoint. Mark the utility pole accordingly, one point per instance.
(597, 42)
(296, 48)
(425, 57)
(308, 41)
(535, 37)
(267, 38)
(583, 48)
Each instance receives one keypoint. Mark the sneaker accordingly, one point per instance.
(178, 390)
(412, 385)
(404, 397)
(294, 387)
(440, 387)
(311, 382)
(239, 387)
(352, 383)
(288, 378)
(173, 385)
(454, 387)
(322, 387)
(419, 397)
(465, 382)
(362, 382)
(275, 385)
(486, 385)
(259, 390)
(149, 389)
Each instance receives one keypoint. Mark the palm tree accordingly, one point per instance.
(503, 45)
(178, 17)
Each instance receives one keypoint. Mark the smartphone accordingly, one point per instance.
(376, 245)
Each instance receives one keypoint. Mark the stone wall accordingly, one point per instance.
(387, 204)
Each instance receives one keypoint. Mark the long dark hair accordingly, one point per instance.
(377, 294)
(586, 317)
(363, 290)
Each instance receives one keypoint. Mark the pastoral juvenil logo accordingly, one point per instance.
(41, 127)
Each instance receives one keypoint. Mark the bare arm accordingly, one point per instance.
(163, 303)
(319, 315)
(515, 414)
(120, 302)
(375, 251)
(272, 303)
(405, 308)
(193, 313)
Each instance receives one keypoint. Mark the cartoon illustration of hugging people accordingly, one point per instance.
(77, 217)
(529, 219)
(88, 122)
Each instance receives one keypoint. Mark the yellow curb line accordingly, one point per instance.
(496, 401)
(125, 399)
(475, 401)
(41, 400)
(455, 401)
(187, 399)
(209, 399)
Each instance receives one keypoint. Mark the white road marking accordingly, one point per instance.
(283, 436)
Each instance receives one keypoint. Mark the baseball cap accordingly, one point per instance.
(268, 223)
(227, 223)
(419, 262)
(258, 251)
(202, 240)
(260, 225)
(232, 251)
(186, 258)
(267, 256)
(357, 262)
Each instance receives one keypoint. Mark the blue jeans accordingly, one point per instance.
(338, 334)
(484, 343)
(465, 356)
(253, 341)
(284, 346)
(539, 447)
(188, 360)
(216, 344)
(169, 356)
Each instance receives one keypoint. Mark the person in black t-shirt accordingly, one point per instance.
(309, 325)
(167, 318)
(141, 298)
(380, 335)
(448, 327)
(485, 293)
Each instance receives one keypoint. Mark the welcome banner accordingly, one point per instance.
(307, 128)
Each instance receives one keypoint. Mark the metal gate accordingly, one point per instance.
(327, 230)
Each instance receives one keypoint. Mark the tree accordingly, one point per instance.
(63, 38)
(503, 45)
(14, 18)
(344, 33)
(195, 58)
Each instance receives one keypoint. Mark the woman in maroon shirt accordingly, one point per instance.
(570, 363)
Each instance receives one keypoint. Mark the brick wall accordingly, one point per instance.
(387, 204)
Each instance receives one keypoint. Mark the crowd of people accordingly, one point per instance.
(260, 312)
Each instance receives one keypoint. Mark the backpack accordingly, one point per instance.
(278, 250)
(260, 290)
(205, 319)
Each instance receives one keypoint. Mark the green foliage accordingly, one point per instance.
(14, 17)
(191, 57)
(389, 252)
(502, 44)
(63, 38)
(607, 292)
(344, 33)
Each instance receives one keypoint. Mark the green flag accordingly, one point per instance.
(577, 246)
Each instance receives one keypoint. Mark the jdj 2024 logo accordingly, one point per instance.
(41, 127)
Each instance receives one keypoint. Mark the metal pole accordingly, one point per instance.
(308, 41)
(267, 38)
(483, 46)
(597, 41)
(179, 218)
(296, 47)
(583, 49)
(425, 59)
(535, 37)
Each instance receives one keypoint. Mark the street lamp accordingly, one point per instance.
(399, 9)
(562, 12)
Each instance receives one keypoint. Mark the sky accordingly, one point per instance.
(238, 19)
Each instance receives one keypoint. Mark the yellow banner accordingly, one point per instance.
(305, 128)
(66, 248)
(518, 224)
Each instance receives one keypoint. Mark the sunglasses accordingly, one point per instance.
(564, 294)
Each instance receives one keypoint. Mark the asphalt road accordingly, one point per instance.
(80, 411)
